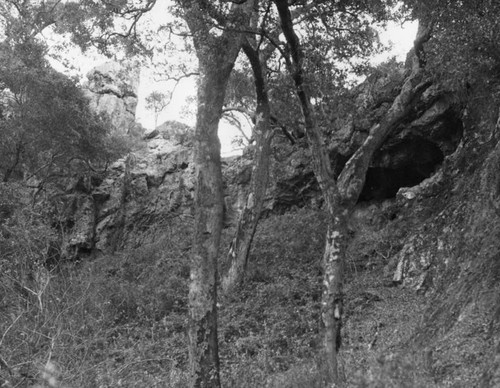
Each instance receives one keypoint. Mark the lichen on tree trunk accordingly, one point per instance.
(332, 296)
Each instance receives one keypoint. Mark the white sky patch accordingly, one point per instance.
(178, 109)
(400, 38)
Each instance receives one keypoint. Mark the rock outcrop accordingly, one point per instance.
(411, 154)
(112, 89)
(141, 191)
(133, 202)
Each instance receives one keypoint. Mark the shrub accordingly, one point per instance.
(116, 321)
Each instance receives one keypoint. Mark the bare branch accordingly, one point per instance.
(233, 120)
(179, 78)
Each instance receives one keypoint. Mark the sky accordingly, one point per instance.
(400, 37)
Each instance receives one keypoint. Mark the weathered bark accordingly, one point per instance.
(333, 258)
(208, 217)
(216, 56)
(249, 218)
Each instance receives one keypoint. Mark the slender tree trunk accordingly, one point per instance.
(216, 56)
(333, 258)
(341, 196)
(249, 218)
(352, 177)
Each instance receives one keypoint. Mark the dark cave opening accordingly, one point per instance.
(404, 164)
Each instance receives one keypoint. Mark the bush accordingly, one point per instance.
(271, 324)
(116, 321)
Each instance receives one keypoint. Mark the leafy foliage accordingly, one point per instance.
(465, 45)
(118, 320)
(46, 123)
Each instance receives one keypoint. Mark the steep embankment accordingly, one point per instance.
(440, 241)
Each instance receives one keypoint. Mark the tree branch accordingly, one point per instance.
(352, 177)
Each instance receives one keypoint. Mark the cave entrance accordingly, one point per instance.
(404, 164)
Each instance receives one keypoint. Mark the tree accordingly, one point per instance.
(465, 45)
(262, 135)
(341, 194)
(47, 128)
(157, 102)
(211, 31)
(357, 40)
(216, 45)
(259, 53)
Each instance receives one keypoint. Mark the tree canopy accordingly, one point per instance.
(46, 122)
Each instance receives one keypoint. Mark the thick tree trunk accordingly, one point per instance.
(249, 218)
(208, 218)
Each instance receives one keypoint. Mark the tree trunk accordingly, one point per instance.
(216, 56)
(208, 218)
(341, 196)
(333, 258)
(249, 218)
(352, 177)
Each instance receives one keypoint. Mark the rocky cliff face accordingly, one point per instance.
(413, 153)
(112, 89)
(127, 206)
(133, 201)
(431, 206)
(440, 239)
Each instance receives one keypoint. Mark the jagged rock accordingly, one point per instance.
(81, 221)
(141, 193)
(291, 183)
(146, 188)
(176, 132)
(151, 134)
(112, 89)
(415, 150)
(134, 201)
(370, 101)
(412, 264)
(427, 187)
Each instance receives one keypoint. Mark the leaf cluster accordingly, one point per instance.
(466, 39)
(45, 119)
(108, 25)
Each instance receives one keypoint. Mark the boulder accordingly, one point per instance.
(112, 89)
